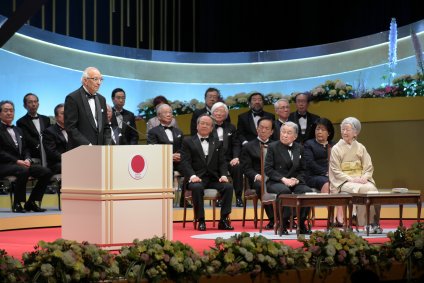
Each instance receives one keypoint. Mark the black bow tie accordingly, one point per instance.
(34, 118)
(260, 114)
(204, 139)
(289, 147)
(167, 128)
(91, 96)
(8, 126)
(218, 126)
(264, 143)
(301, 115)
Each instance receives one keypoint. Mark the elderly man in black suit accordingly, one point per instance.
(212, 96)
(15, 160)
(121, 117)
(55, 140)
(226, 133)
(204, 165)
(164, 133)
(33, 125)
(285, 168)
(248, 121)
(302, 117)
(85, 112)
(251, 161)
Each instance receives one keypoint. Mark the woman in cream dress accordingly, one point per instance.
(351, 171)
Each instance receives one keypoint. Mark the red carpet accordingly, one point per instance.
(20, 241)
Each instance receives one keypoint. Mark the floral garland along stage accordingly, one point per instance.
(160, 259)
(331, 90)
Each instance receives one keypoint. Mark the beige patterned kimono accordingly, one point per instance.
(349, 161)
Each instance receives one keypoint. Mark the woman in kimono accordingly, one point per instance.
(351, 171)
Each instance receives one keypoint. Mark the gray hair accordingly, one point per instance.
(161, 106)
(85, 72)
(220, 104)
(356, 125)
(291, 125)
(277, 103)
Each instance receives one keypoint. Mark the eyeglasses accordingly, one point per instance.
(96, 79)
(282, 107)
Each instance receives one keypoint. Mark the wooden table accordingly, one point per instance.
(310, 200)
(388, 197)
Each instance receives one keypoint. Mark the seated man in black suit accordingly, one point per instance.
(15, 160)
(167, 134)
(251, 161)
(248, 121)
(212, 95)
(55, 140)
(285, 168)
(33, 125)
(302, 118)
(203, 163)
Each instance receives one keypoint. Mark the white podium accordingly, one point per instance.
(114, 194)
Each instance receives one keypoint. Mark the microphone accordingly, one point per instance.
(134, 129)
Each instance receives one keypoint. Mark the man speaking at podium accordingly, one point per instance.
(85, 112)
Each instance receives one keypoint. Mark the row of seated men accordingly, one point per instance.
(237, 155)
(33, 148)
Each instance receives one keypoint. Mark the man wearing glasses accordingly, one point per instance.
(86, 113)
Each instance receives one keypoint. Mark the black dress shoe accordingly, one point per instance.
(239, 202)
(202, 225)
(17, 207)
(285, 232)
(32, 206)
(219, 203)
(304, 230)
(270, 226)
(225, 225)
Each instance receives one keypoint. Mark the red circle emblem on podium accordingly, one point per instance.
(137, 167)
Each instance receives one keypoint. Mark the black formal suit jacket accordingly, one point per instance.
(230, 142)
(54, 144)
(157, 135)
(120, 138)
(277, 129)
(131, 136)
(9, 152)
(251, 159)
(196, 114)
(31, 135)
(246, 128)
(310, 120)
(79, 121)
(278, 163)
(194, 162)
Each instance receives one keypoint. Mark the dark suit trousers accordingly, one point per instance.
(237, 177)
(280, 188)
(22, 174)
(225, 190)
(268, 208)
